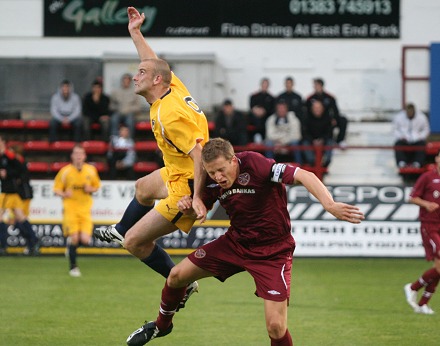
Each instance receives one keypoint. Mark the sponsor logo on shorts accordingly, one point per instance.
(200, 253)
(273, 292)
(244, 178)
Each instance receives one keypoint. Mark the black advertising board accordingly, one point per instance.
(227, 18)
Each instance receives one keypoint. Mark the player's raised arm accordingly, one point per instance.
(342, 211)
(135, 20)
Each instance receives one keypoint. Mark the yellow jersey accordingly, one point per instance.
(70, 178)
(178, 125)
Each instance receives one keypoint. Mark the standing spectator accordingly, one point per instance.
(26, 194)
(11, 171)
(262, 104)
(96, 110)
(283, 128)
(411, 129)
(75, 184)
(65, 108)
(425, 195)
(339, 121)
(121, 154)
(231, 124)
(125, 104)
(252, 190)
(318, 132)
(293, 99)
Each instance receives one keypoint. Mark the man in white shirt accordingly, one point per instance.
(411, 129)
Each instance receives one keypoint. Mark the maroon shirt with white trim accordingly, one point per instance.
(427, 187)
(257, 201)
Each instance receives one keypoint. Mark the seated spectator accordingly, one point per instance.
(65, 109)
(318, 132)
(339, 121)
(261, 106)
(411, 129)
(96, 110)
(231, 124)
(124, 103)
(283, 128)
(293, 99)
(121, 155)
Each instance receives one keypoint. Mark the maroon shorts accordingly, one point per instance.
(431, 240)
(225, 257)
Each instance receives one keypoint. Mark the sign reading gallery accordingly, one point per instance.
(227, 18)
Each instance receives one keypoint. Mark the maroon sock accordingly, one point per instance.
(425, 279)
(286, 340)
(171, 297)
(429, 291)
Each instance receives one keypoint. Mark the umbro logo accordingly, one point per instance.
(273, 292)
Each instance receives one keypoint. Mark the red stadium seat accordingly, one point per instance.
(56, 166)
(95, 147)
(12, 124)
(62, 146)
(100, 166)
(432, 148)
(36, 146)
(38, 167)
(38, 124)
(143, 126)
(145, 167)
(145, 146)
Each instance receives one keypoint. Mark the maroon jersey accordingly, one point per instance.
(257, 201)
(427, 187)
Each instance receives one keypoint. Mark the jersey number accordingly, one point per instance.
(193, 104)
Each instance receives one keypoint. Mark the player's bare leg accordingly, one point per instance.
(276, 322)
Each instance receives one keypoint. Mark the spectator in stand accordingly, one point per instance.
(338, 120)
(65, 109)
(231, 124)
(96, 110)
(293, 99)
(318, 132)
(411, 129)
(283, 128)
(262, 104)
(125, 104)
(121, 155)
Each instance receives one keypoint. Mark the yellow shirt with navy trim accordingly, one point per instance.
(178, 125)
(70, 178)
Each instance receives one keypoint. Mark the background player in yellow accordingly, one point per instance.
(75, 184)
(181, 130)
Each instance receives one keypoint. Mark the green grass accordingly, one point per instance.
(333, 302)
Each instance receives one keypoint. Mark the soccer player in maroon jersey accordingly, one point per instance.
(251, 188)
(426, 194)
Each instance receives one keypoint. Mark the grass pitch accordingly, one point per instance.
(333, 302)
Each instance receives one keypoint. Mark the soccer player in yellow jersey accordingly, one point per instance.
(75, 184)
(181, 130)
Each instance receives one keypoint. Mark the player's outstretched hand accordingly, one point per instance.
(346, 212)
(135, 19)
(200, 209)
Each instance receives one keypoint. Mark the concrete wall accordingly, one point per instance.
(364, 74)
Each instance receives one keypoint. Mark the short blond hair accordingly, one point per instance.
(217, 147)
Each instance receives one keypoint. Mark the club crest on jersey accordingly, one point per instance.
(153, 122)
(200, 253)
(244, 178)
